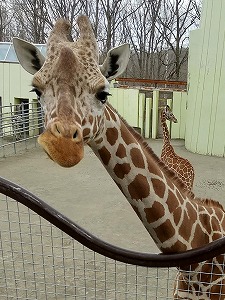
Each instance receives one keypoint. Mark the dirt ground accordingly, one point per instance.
(87, 195)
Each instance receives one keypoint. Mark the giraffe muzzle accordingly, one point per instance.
(63, 144)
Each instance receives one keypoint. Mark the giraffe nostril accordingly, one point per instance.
(75, 134)
(61, 131)
(57, 129)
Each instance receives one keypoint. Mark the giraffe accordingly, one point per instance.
(73, 90)
(181, 166)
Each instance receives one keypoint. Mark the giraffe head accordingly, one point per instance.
(168, 115)
(72, 87)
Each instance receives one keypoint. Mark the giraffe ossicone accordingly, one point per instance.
(73, 89)
(180, 165)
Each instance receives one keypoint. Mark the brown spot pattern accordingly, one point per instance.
(177, 247)
(139, 187)
(216, 236)
(99, 141)
(107, 115)
(177, 215)
(165, 231)
(185, 227)
(214, 224)
(219, 214)
(191, 211)
(86, 132)
(112, 135)
(172, 202)
(159, 187)
(169, 182)
(137, 158)
(121, 170)
(154, 168)
(206, 223)
(105, 155)
(127, 137)
(155, 212)
(90, 119)
(180, 197)
(200, 237)
(121, 151)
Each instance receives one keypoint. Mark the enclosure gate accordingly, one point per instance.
(20, 125)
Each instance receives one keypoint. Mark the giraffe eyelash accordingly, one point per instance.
(38, 93)
(102, 96)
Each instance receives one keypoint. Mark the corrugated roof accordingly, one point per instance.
(7, 52)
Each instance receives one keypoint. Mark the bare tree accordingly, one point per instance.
(113, 13)
(67, 9)
(6, 15)
(144, 36)
(176, 18)
(156, 29)
(197, 7)
(31, 16)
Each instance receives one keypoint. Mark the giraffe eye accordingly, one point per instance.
(102, 96)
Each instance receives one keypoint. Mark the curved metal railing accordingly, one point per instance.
(92, 242)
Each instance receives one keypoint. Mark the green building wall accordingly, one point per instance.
(138, 110)
(15, 82)
(205, 118)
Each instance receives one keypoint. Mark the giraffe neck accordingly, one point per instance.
(166, 134)
(160, 201)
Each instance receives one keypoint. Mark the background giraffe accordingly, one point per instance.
(181, 166)
(73, 89)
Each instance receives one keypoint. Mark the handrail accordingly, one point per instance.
(186, 258)
(154, 81)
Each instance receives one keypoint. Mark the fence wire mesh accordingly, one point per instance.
(19, 127)
(40, 261)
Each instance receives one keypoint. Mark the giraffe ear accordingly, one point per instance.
(167, 108)
(116, 61)
(29, 56)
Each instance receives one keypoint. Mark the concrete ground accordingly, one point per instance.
(88, 196)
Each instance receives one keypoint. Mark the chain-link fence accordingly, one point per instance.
(19, 127)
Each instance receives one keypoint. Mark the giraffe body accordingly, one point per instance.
(73, 89)
(181, 166)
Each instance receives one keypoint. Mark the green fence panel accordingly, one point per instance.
(148, 118)
(179, 110)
